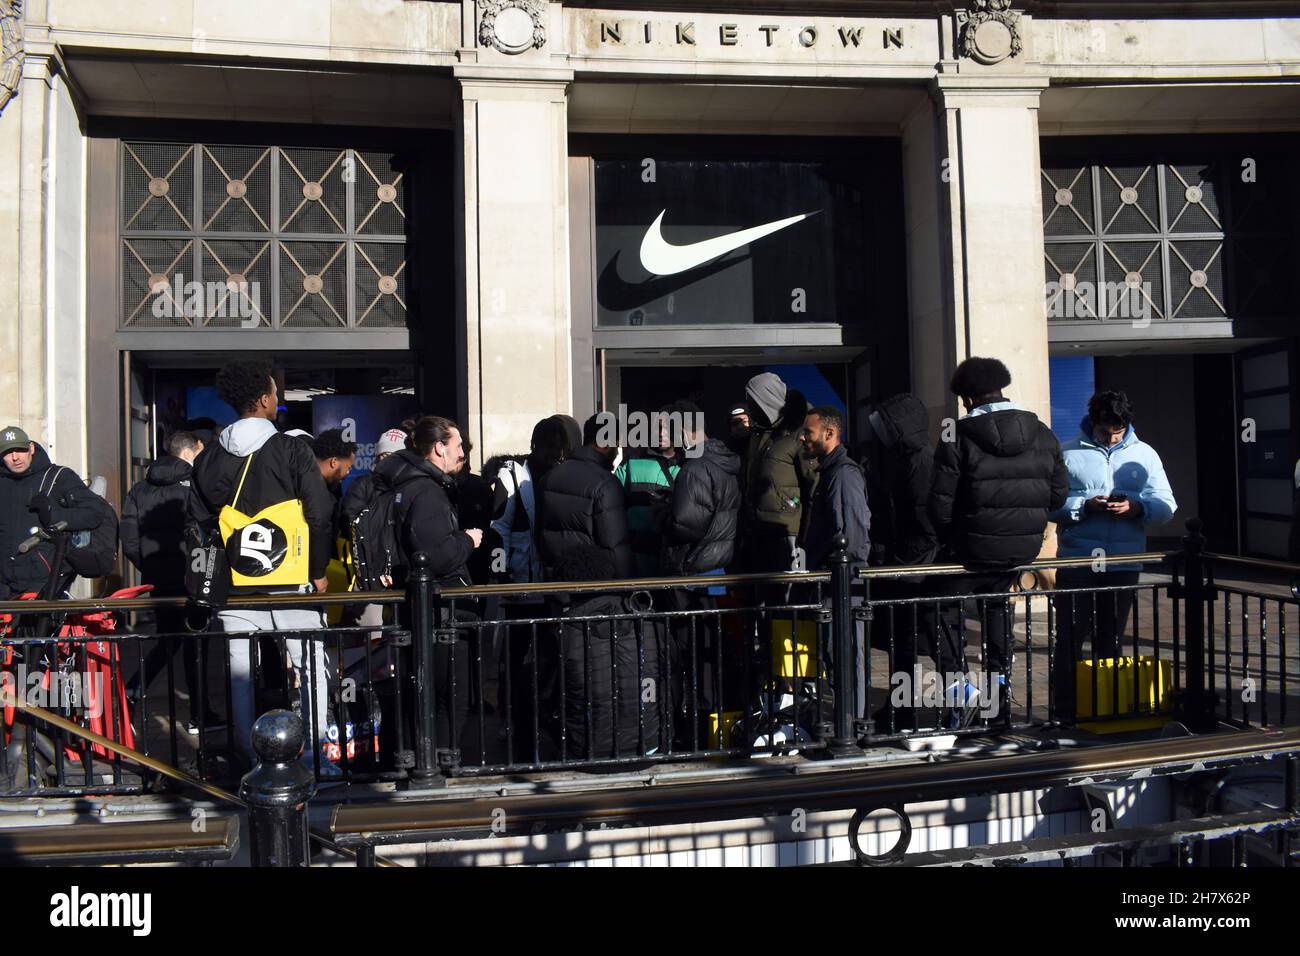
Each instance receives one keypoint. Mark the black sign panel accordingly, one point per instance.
(257, 549)
(706, 242)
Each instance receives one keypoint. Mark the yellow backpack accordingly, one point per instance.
(268, 548)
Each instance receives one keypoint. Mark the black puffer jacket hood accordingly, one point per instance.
(719, 455)
(168, 471)
(1005, 434)
(906, 421)
(701, 531)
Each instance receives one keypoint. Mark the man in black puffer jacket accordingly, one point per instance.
(900, 464)
(994, 485)
(153, 539)
(998, 480)
(153, 517)
(603, 655)
(700, 538)
(700, 533)
(581, 504)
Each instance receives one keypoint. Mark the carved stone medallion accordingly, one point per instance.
(511, 26)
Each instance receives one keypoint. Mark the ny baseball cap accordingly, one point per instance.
(13, 437)
(390, 441)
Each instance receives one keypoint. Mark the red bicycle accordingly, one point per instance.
(60, 666)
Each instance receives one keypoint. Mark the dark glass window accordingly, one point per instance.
(1133, 242)
(1177, 229)
(671, 252)
(270, 237)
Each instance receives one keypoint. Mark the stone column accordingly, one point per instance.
(23, 134)
(975, 235)
(515, 269)
(975, 239)
(42, 226)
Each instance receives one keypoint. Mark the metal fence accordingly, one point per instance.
(419, 686)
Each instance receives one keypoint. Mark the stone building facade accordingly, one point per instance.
(446, 201)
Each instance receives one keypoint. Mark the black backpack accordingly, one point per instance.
(377, 549)
(93, 553)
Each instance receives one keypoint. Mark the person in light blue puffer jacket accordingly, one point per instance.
(1118, 489)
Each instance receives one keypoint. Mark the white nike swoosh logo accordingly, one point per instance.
(662, 258)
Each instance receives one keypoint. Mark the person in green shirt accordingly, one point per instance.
(647, 479)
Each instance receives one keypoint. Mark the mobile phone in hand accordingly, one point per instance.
(1117, 496)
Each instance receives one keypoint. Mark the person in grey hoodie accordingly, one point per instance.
(777, 480)
(251, 466)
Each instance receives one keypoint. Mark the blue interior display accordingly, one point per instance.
(363, 418)
(1073, 381)
(809, 380)
(201, 401)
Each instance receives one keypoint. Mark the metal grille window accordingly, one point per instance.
(269, 237)
(1134, 243)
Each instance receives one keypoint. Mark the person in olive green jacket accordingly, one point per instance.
(647, 481)
(778, 480)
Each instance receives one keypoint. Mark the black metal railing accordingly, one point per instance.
(84, 660)
(614, 673)
(430, 683)
(1013, 653)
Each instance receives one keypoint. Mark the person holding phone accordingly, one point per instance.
(1118, 489)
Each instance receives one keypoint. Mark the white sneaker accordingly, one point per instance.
(963, 700)
(783, 734)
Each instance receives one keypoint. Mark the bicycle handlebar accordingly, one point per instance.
(45, 534)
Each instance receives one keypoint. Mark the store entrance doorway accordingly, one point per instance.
(646, 380)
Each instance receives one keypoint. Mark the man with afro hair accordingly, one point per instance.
(998, 475)
(252, 467)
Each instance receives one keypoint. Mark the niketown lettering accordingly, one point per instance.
(625, 34)
(662, 258)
